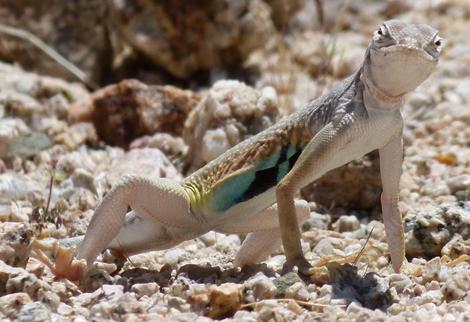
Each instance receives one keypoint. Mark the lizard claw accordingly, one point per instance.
(65, 264)
(302, 265)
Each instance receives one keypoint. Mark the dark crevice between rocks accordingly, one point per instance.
(352, 287)
(216, 275)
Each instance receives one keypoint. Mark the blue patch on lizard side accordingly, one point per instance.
(266, 174)
(282, 170)
(233, 190)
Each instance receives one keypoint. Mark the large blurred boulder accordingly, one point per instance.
(108, 39)
(230, 113)
(151, 163)
(187, 36)
(130, 109)
(76, 29)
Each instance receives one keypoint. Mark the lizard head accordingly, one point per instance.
(401, 56)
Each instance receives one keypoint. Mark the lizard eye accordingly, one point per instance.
(381, 37)
(382, 31)
(437, 42)
(434, 47)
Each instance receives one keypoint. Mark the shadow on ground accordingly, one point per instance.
(366, 289)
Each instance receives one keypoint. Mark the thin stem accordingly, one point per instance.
(363, 247)
(51, 183)
(303, 303)
(49, 51)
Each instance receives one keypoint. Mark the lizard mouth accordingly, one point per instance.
(408, 51)
(399, 69)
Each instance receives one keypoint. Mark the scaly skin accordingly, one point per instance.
(235, 193)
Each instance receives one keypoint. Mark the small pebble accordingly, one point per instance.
(173, 256)
(346, 223)
(224, 299)
(261, 286)
(148, 289)
(34, 312)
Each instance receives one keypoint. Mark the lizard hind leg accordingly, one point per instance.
(139, 234)
(264, 235)
(160, 202)
(136, 235)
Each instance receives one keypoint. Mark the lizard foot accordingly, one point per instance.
(303, 266)
(65, 265)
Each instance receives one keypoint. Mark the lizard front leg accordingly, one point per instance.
(315, 160)
(391, 157)
(264, 233)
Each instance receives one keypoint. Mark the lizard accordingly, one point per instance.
(251, 187)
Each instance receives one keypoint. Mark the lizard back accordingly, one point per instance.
(260, 162)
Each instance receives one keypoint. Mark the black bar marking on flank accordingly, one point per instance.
(267, 178)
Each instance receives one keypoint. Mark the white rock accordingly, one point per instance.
(399, 282)
(34, 312)
(346, 223)
(435, 297)
(298, 291)
(10, 303)
(150, 163)
(228, 243)
(64, 309)
(9, 129)
(214, 143)
(461, 182)
(261, 286)
(230, 113)
(245, 316)
(173, 256)
(17, 186)
(148, 289)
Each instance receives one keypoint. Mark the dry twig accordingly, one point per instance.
(363, 247)
(299, 302)
(49, 51)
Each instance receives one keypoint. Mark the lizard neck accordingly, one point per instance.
(374, 96)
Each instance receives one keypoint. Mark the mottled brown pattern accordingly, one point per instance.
(249, 153)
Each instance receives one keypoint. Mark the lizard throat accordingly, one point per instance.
(379, 94)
